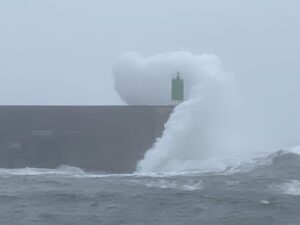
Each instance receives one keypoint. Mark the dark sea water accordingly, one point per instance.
(258, 193)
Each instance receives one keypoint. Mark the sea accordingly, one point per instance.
(265, 191)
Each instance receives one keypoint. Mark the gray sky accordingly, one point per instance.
(62, 51)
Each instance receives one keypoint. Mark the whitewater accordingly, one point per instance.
(214, 128)
(210, 130)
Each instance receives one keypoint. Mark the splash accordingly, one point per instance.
(199, 131)
(146, 81)
(214, 128)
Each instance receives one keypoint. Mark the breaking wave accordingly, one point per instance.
(213, 129)
(290, 188)
(200, 128)
(282, 163)
(60, 171)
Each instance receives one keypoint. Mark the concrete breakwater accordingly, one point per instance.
(106, 138)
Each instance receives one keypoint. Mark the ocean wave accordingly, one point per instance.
(290, 188)
(180, 185)
(70, 171)
(282, 161)
(60, 171)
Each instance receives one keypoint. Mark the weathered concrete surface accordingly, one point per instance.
(106, 138)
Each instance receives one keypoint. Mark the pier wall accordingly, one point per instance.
(105, 138)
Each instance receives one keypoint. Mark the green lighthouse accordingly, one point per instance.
(177, 89)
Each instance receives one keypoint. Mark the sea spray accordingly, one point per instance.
(202, 133)
(147, 80)
(197, 131)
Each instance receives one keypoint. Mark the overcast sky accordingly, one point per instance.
(62, 51)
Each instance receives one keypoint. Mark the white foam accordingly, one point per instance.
(179, 185)
(290, 188)
(232, 183)
(69, 171)
(62, 170)
(265, 202)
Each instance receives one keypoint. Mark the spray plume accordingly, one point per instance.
(146, 81)
(190, 134)
(209, 130)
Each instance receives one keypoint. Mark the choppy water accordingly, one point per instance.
(260, 193)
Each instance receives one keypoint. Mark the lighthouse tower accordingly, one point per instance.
(177, 94)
